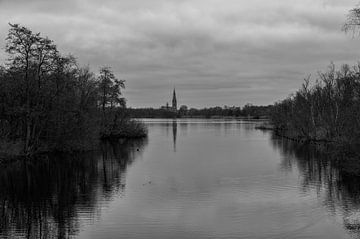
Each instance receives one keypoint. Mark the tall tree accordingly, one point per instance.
(110, 89)
(21, 46)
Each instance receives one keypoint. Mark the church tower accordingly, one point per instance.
(174, 102)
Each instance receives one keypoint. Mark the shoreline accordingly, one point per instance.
(286, 134)
(8, 158)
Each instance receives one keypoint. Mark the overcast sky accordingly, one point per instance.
(215, 52)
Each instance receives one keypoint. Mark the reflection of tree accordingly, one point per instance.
(334, 173)
(247, 126)
(44, 197)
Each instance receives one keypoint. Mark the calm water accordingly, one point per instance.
(189, 179)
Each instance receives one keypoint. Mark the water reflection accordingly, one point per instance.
(174, 131)
(183, 128)
(333, 174)
(223, 182)
(44, 197)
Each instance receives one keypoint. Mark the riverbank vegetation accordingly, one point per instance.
(48, 102)
(328, 110)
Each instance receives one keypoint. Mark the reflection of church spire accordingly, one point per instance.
(174, 128)
(174, 102)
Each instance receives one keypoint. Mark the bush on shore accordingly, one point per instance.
(129, 128)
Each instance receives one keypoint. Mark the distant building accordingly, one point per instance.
(173, 105)
(174, 102)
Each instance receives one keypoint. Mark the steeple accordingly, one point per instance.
(174, 102)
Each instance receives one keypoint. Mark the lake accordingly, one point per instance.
(191, 178)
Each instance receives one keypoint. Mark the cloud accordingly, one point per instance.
(216, 52)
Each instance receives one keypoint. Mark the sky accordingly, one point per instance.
(215, 52)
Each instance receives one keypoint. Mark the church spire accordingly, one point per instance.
(174, 102)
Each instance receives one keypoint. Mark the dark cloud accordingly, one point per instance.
(215, 52)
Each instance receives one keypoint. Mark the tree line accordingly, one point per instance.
(249, 110)
(49, 102)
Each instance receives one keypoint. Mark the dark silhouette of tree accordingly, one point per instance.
(110, 89)
(30, 57)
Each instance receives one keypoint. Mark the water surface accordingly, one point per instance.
(191, 178)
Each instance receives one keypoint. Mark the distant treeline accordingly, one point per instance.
(327, 110)
(49, 102)
(248, 110)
